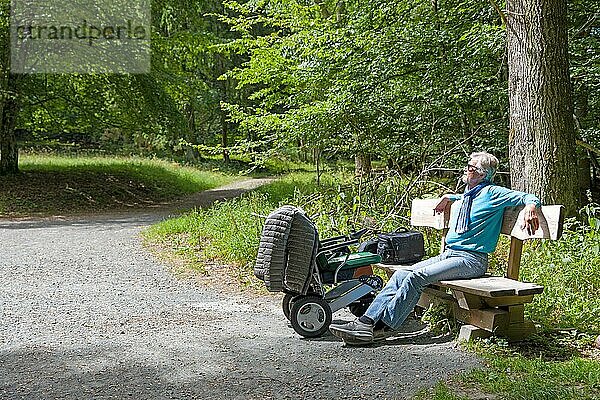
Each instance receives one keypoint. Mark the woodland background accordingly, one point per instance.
(412, 85)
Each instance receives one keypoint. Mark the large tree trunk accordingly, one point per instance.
(9, 152)
(9, 108)
(542, 135)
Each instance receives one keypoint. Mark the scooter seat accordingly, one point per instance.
(355, 260)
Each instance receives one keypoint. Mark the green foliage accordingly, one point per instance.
(404, 81)
(145, 113)
(440, 319)
(584, 43)
(569, 269)
(230, 230)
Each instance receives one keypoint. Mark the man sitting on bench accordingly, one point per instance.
(475, 223)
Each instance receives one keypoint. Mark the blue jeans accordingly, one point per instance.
(400, 295)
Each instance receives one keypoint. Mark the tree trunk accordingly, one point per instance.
(9, 152)
(542, 134)
(362, 164)
(301, 153)
(224, 134)
(224, 96)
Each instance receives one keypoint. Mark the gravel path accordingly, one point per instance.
(87, 313)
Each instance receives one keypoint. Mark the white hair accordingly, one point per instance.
(487, 162)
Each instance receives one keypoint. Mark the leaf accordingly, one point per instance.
(594, 223)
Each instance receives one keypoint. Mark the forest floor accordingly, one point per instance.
(88, 313)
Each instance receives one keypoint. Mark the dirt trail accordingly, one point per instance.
(88, 313)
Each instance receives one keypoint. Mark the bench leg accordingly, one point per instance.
(518, 331)
(512, 332)
(469, 333)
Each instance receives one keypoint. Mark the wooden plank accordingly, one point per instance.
(507, 301)
(516, 314)
(468, 301)
(490, 319)
(551, 223)
(529, 289)
(517, 332)
(514, 258)
(493, 286)
(422, 214)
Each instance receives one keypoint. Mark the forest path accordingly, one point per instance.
(88, 313)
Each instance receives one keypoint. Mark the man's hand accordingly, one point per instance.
(530, 220)
(442, 205)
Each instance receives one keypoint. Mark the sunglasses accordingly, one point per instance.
(473, 168)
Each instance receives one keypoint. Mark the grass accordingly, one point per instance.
(50, 184)
(229, 231)
(549, 367)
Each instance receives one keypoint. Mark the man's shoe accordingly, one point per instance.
(354, 332)
(382, 334)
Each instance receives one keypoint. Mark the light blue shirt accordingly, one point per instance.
(486, 218)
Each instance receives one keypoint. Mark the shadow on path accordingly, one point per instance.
(146, 215)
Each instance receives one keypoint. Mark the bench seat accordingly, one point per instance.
(493, 286)
(485, 286)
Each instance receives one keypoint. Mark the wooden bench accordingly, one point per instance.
(490, 304)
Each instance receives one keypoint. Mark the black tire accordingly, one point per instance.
(287, 303)
(310, 316)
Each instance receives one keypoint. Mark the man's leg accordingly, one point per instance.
(392, 307)
(387, 294)
(456, 265)
(361, 329)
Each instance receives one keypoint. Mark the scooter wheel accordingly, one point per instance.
(310, 316)
(287, 303)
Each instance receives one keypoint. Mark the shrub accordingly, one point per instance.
(569, 269)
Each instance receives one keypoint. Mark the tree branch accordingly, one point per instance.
(499, 11)
(587, 146)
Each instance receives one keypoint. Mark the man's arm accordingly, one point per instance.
(504, 197)
(446, 199)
